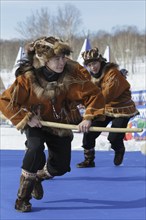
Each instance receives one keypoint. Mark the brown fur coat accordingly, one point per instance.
(31, 93)
(116, 91)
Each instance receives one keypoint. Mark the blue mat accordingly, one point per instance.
(105, 192)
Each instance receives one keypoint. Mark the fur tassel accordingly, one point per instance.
(23, 122)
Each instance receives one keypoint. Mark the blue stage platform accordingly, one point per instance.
(105, 192)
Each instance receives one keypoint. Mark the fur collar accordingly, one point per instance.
(45, 89)
(106, 68)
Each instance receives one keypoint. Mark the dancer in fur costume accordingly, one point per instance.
(48, 87)
(119, 107)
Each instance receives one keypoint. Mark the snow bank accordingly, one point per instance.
(12, 139)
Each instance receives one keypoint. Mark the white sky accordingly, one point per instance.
(96, 15)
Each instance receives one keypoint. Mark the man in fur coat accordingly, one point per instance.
(48, 87)
(119, 106)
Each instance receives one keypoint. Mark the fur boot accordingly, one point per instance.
(27, 181)
(43, 174)
(89, 159)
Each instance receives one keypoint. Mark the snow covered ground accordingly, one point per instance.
(13, 140)
(137, 81)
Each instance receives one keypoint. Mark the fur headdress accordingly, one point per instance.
(42, 49)
(92, 55)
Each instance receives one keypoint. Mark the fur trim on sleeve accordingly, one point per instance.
(23, 122)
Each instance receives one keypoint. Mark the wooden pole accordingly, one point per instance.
(94, 129)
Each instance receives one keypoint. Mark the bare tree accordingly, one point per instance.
(125, 46)
(37, 25)
(101, 40)
(67, 22)
(9, 50)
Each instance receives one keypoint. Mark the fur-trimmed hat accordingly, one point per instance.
(92, 55)
(42, 49)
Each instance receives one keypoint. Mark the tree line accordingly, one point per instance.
(126, 43)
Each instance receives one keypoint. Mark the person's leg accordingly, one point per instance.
(58, 163)
(89, 140)
(42, 160)
(27, 181)
(34, 156)
(37, 192)
(117, 139)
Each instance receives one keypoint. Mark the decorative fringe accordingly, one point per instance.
(23, 122)
(28, 175)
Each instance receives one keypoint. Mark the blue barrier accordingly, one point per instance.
(139, 97)
(139, 121)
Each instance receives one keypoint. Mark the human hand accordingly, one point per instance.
(84, 126)
(34, 122)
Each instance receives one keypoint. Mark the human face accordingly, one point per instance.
(57, 63)
(94, 66)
